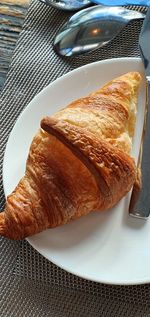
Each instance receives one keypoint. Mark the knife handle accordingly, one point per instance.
(141, 207)
(144, 3)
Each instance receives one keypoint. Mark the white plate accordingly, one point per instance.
(108, 247)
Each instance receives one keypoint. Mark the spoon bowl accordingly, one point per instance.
(68, 5)
(74, 5)
(91, 28)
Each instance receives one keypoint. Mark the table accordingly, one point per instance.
(12, 14)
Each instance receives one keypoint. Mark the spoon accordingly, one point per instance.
(74, 5)
(143, 3)
(92, 28)
(68, 5)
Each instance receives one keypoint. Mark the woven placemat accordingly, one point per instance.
(31, 285)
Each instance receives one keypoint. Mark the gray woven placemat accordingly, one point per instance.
(30, 285)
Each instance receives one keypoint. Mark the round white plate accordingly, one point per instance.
(109, 247)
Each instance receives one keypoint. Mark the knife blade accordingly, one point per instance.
(141, 208)
(111, 3)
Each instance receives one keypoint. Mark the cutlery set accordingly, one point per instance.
(95, 27)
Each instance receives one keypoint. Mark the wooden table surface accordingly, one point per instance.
(12, 13)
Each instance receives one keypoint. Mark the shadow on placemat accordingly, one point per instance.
(32, 266)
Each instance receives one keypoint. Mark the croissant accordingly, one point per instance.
(79, 161)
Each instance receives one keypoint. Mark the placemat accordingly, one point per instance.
(31, 285)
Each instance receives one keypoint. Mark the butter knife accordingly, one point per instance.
(141, 207)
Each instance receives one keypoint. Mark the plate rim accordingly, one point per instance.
(42, 92)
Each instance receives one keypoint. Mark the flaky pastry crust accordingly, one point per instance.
(79, 161)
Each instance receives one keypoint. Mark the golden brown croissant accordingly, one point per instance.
(79, 161)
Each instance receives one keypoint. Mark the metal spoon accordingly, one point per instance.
(122, 2)
(74, 5)
(68, 5)
(92, 28)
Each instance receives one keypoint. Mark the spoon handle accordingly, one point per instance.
(144, 3)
